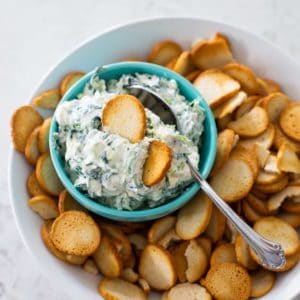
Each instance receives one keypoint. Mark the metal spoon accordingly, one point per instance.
(269, 253)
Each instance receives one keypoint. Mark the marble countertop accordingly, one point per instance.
(36, 34)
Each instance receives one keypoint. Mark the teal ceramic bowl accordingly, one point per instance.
(207, 151)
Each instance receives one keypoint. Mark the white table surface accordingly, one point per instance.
(35, 34)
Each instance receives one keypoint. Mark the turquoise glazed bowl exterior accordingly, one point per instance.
(207, 150)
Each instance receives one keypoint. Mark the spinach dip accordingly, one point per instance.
(107, 167)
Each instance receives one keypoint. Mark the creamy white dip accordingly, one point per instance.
(108, 167)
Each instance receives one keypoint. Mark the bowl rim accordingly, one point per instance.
(187, 194)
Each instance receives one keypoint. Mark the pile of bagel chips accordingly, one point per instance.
(194, 253)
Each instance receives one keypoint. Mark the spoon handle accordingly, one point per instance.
(269, 253)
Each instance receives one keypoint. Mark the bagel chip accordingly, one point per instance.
(193, 75)
(234, 180)
(206, 244)
(120, 289)
(130, 263)
(271, 165)
(272, 188)
(107, 258)
(223, 253)
(170, 65)
(125, 115)
(251, 124)
(238, 208)
(248, 155)
(144, 285)
(163, 52)
(280, 138)
(259, 194)
(294, 180)
(291, 206)
(200, 40)
(66, 202)
(214, 53)
(46, 175)
(228, 281)
(33, 187)
(184, 64)
(223, 122)
(246, 106)
(75, 259)
(71, 259)
(244, 76)
(242, 252)
(194, 217)
(120, 240)
(287, 159)
(45, 234)
(169, 238)
(216, 87)
(262, 282)
(250, 213)
(157, 163)
(197, 261)
(262, 154)
(230, 105)
(224, 146)
(289, 121)
(274, 104)
(290, 218)
(187, 290)
(275, 201)
(216, 225)
(230, 231)
(43, 137)
(164, 296)
(272, 85)
(278, 231)
(69, 80)
(48, 99)
(76, 233)
(138, 241)
(90, 267)
(31, 151)
(160, 227)
(268, 86)
(219, 36)
(157, 267)
(24, 120)
(265, 139)
(180, 261)
(260, 206)
(45, 206)
(129, 275)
